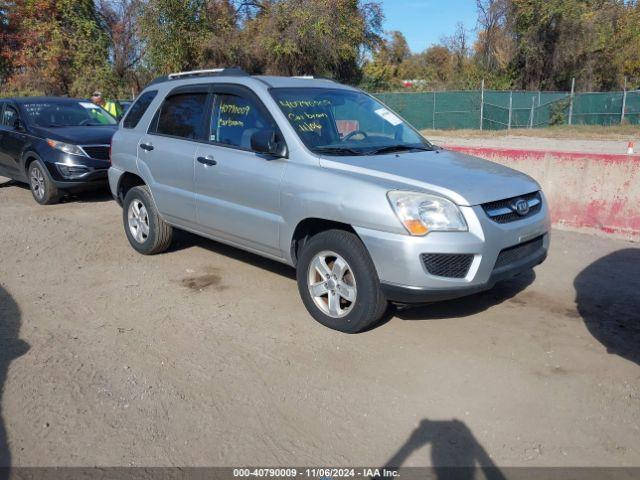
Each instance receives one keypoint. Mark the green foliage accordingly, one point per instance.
(558, 112)
(173, 31)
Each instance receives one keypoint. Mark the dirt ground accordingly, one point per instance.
(206, 356)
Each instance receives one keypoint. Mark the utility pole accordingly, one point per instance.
(481, 104)
(624, 101)
(573, 88)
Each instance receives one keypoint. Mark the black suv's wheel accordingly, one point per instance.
(42, 188)
(338, 282)
(147, 232)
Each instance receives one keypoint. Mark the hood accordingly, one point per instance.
(464, 179)
(79, 135)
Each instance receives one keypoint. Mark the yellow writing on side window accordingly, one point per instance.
(234, 109)
(230, 122)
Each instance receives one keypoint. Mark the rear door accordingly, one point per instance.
(239, 189)
(166, 154)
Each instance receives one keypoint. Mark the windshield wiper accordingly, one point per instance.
(398, 148)
(339, 150)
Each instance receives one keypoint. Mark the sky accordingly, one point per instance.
(425, 22)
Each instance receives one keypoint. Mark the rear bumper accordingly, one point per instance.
(411, 295)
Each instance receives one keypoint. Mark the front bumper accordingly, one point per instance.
(405, 278)
(94, 171)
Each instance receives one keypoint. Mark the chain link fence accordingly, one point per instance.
(499, 110)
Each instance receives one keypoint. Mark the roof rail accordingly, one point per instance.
(209, 72)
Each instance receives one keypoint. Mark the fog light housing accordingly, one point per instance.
(72, 171)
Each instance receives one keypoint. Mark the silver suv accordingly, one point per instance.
(327, 179)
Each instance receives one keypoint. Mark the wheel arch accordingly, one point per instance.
(308, 227)
(126, 182)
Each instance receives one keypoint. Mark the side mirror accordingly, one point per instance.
(18, 126)
(266, 141)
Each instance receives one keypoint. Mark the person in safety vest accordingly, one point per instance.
(113, 108)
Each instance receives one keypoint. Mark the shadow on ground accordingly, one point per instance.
(96, 195)
(183, 240)
(455, 452)
(466, 306)
(608, 300)
(11, 347)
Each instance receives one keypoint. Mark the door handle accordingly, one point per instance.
(208, 160)
(146, 146)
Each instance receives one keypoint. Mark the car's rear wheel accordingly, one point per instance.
(146, 231)
(338, 282)
(42, 188)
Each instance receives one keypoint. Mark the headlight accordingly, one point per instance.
(421, 213)
(66, 147)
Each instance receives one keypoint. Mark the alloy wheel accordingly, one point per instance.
(36, 178)
(138, 218)
(332, 284)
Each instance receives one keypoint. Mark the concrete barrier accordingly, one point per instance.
(586, 191)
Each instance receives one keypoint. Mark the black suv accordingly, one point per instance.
(56, 145)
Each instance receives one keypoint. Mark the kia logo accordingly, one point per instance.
(521, 206)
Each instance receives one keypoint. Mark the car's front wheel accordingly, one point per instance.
(146, 231)
(338, 282)
(42, 188)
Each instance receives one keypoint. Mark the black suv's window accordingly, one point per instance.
(235, 119)
(138, 109)
(9, 116)
(182, 115)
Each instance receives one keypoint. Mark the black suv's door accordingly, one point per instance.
(12, 141)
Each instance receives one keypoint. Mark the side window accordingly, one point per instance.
(235, 119)
(138, 109)
(182, 115)
(9, 116)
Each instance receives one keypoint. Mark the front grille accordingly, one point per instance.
(518, 252)
(99, 152)
(504, 211)
(447, 265)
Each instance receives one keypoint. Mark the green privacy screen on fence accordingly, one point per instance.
(502, 110)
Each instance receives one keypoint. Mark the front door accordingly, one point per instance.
(11, 141)
(166, 155)
(239, 189)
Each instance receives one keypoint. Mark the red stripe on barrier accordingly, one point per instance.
(596, 191)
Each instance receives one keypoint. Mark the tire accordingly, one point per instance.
(334, 249)
(42, 187)
(146, 231)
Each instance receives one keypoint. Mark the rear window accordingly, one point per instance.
(182, 115)
(138, 108)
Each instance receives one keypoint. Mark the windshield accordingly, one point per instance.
(345, 122)
(67, 114)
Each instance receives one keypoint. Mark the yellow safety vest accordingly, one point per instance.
(113, 108)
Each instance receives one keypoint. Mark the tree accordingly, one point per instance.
(315, 37)
(60, 47)
(6, 47)
(173, 31)
(383, 69)
(126, 49)
(494, 47)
